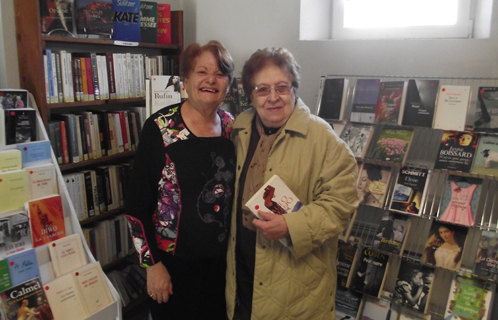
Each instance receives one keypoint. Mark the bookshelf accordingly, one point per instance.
(423, 152)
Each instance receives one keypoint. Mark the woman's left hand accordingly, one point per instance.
(273, 226)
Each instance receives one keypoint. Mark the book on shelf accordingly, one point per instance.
(486, 155)
(390, 102)
(27, 299)
(486, 118)
(23, 266)
(46, 218)
(14, 99)
(75, 184)
(370, 272)
(148, 21)
(164, 23)
(13, 190)
(457, 151)
(444, 246)
(165, 91)
(71, 135)
(378, 309)
(67, 254)
(409, 190)
(459, 200)
(410, 314)
(20, 125)
(332, 97)
(56, 16)
(5, 282)
(357, 136)
(366, 94)
(94, 17)
(420, 102)
(392, 144)
(373, 183)
(15, 234)
(469, 298)
(347, 253)
(391, 233)
(486, 263)
(413, 285)
(347, 304)
(10, 160)
(54, 133)
(35, 153)
(126, 20)
(451, 107)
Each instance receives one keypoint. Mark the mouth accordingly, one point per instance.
(209, 90)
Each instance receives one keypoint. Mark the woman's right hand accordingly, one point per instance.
(159, 285)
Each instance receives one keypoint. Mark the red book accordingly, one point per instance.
(65, 148)
(163, 23)
(89, 79)
(46, 218)
(110, 75)
(123, 121)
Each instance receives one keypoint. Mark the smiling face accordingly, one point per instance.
(273, 109)
(206, 85)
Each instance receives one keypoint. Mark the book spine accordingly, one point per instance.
(70, 81)
(74, 156)
(64, 142)
(89, 193)
(89, 78)
(88, 137)
(98, 140)
(163, 23)
(79, 138)
(95, 75)
(124, 130)
(65, 85)
(124, 76)
(84, 144)
(54, 79)
(59, 76)
(74, 66)
(103, 133)
(110, 75)
(84, 80)
(45, 69)
(54, 134)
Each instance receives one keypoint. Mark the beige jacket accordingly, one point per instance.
(299, 282)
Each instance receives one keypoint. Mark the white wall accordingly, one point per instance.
(246, 25)
(9, 68)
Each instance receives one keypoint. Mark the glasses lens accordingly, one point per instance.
(263, 90)
(282, 89)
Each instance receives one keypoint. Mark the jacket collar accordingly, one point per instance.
(298, 121)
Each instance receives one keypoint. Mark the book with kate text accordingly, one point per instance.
(46, 218)
(126, 20)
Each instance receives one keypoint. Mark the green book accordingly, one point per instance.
(5, 282)
(148, 21)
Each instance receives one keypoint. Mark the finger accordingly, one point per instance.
(265, 215)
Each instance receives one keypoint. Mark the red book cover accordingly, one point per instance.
(84, 80)
(124, 130)
(89, 78)
(46, 218)
(110, 75)
(163, 23)
(65, 148)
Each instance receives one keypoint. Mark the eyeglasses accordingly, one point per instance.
(282, 89)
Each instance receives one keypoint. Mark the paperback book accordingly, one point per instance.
(391, 99)
(391, 233)
(409, 191)
(332, 97)
(366, 94)
(457, 151)
(378, 309)
(56, 16)
(392, 145)
(14, 99)
(46, 219)
(23, 266)
(26, 299)
(5, 282)
(413, 285)
(35, 153)
(13, 190)
(420, 103)
(346, 258)
(459, 201)
(20, 125)
(67, 254)
(166, 90)
(357, 136)
(451, 107)
(347, 304)
(486, 264)
(148, 21)
(10, 160)
(486, 119)
(94, 17)
(370, 272)
(486, 156)
(42, 180)
(126, 20)
(164, 23)
(372, 184)
(15, 235)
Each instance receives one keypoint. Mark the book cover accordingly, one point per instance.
(15, 235)
(23, 266)
(35, 153)
(56, 16)
(25, 301)
(451, 107)
(20, 125)
(370, 272)
(94, 17)
(413, 285)
(366, 94)
(459, 201)
(444, 245)
(10, 160)
(410, 314)
(54, 133)
(13, 190)
(5, 282)
(486, 155)
(46, 219)
(148, 21)
(486, 264)
(409, 190)
(14, 99)
(457, 151)
(420, 102)
(378, 309)
(469, 299)
(333, 98)
(164, 23)
(94, 290)
(486, 118)
(126, 20)
(64, 299)
(347, 304)
(165, 91)
(391, 233)
(346, 257)
(276, 197)
(372, 184)
(390, 101)
(67, 254)
(392, 145)
(357, 136)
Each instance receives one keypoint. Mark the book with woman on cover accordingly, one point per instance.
(413, 285)
(370, 272)
(372, 184)
(409, 191)
(460, 198)
(391, 233)
(486, 155)
(444, 246)
(486, 264)
(357, 136)
(392, 145)
(457, 151)
(469, 298)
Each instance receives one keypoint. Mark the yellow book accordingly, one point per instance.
(13, 190)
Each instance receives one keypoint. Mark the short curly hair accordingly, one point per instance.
(280, 57)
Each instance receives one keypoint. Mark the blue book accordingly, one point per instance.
(35, 153)
(126, 20)
(50, 75)
(23, 266)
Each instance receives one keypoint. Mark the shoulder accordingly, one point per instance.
(226, 122)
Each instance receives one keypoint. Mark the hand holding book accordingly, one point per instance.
(272, 226)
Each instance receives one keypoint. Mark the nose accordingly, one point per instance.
(273, 96)
(210, 77)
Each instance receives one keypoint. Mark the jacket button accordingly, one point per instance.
(261, 283)
(238, 168)
(332, 309)
(271, 169)
(264, 247)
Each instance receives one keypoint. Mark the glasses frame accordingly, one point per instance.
(286, 92)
